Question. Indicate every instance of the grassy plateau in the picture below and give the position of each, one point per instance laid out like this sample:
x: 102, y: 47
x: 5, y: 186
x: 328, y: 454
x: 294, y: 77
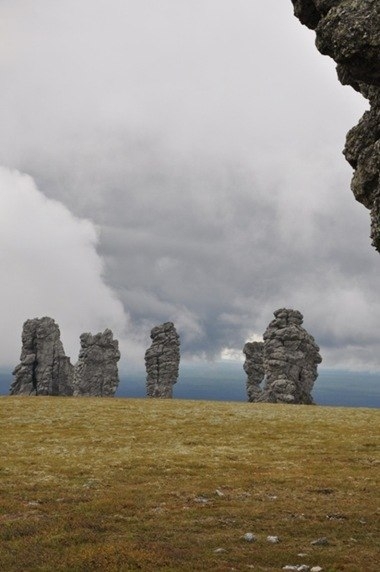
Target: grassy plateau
x: 136, y: 484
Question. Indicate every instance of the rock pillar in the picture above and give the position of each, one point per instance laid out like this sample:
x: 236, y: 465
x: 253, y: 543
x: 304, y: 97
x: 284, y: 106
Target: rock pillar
x: 254, y: 368
x: 291, y: 357
x: 287, y: 360
x: 162, y: 361
x: 96, y: 372
x: 44, y: 369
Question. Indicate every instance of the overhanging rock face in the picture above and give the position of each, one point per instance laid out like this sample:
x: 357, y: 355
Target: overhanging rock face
x: 44, y: 369
x: 162, y: 361
x: 349, y: 32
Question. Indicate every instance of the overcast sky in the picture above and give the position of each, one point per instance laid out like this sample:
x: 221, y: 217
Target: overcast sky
x: 175, y: 160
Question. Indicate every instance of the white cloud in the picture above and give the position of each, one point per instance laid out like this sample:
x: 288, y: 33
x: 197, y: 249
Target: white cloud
x: 203, y: 139
x: 50, y: 267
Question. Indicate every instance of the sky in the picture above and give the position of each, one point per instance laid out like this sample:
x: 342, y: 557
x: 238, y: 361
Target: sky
x: 174, y: 160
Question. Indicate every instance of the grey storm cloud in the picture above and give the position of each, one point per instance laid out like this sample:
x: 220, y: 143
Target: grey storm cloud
x: 203, y: 142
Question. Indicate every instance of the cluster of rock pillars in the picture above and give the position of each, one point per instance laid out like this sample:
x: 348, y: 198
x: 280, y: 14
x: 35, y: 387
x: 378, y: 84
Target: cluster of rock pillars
x: 44, y: 368
x: 281, y: 369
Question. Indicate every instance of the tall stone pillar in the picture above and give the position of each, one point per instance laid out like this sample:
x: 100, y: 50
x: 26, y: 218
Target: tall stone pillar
x: 254, y: 368
x: 287, y: 361
x: 44, y: 369
x: 96, y: 372
x: 162, y: 361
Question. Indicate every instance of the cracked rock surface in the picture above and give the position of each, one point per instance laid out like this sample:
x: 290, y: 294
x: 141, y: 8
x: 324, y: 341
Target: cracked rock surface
x: 96, y: 372
x: 254, y: 368
x: 162, y: 361
x: 349, y: 32
x: 44, y: 369
x: 291, y: 358
x: 287, y: 360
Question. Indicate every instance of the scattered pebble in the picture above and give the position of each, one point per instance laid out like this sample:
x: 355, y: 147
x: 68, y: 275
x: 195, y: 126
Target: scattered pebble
x: 201, y: 500
x: 249, y: 537
x: 320, y: 542
x: 316, y: 569
x: 273, y: 539
x: 219, y: 493
x: 302, y: 554
x: 219, y: 550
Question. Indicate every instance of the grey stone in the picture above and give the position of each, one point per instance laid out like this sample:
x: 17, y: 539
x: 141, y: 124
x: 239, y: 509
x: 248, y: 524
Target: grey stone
x: 320, y: 542
x: 273, y: 539
x: 290, y: 368
x: 287, y: 360
x: 96, y: 372
x: 201, y: 500
x: 254, y: 368
x: 44, y: 369
x: 349, y: 32
x: 162, y: 361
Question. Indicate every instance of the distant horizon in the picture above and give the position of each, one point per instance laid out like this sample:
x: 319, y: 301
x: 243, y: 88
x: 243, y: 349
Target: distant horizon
x: 226, y: 381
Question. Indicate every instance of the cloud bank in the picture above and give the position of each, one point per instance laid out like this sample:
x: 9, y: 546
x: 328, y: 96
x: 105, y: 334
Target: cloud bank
x: 50, y: 268
x: 203, y: 140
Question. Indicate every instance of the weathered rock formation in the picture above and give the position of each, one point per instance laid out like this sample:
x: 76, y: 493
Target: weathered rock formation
x: 96, y: 372
x: 44, y: 369
x: 288, y: 359
x: 162, y: 361
x: 349, y: 32
x: 254, y: 368
x: 291, y: 357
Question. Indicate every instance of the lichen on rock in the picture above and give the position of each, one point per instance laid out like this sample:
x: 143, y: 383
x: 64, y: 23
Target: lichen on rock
x: 349, y: 32
x: 162, y: 361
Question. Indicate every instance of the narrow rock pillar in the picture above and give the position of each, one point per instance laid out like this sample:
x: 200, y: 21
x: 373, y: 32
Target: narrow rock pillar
x: 162, y: 361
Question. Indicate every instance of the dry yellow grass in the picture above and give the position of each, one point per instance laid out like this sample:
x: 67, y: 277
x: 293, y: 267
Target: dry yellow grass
x: 117, y: 484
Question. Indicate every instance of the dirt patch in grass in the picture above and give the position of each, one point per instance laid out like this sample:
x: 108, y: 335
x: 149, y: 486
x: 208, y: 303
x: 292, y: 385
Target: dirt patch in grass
x: 121, y: 484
